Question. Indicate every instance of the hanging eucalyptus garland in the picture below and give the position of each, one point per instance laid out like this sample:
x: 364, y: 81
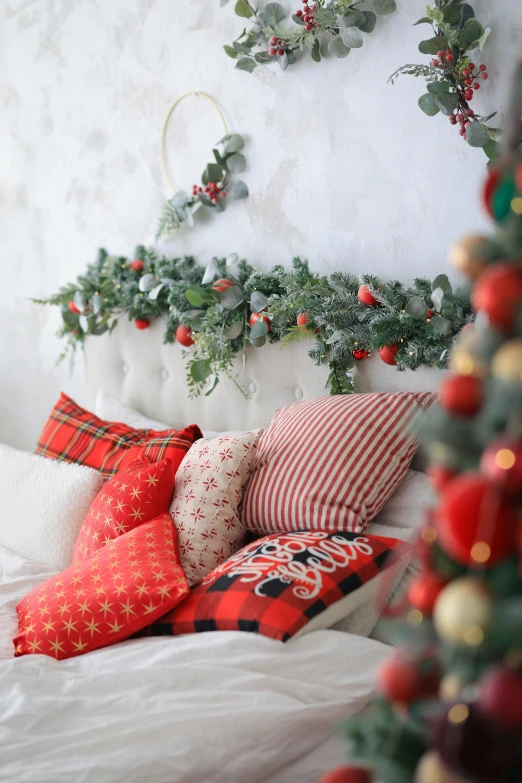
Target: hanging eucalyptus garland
x: 218, y: 311
x: 269, y: 40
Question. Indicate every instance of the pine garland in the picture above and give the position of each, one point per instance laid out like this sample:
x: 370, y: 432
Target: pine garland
x: 229, y: 306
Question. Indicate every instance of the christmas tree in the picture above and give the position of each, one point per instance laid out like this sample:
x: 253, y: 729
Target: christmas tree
x: 449, y: 703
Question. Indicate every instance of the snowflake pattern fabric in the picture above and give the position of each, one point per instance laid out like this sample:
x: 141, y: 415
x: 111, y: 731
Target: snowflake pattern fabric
x: 206, y: 501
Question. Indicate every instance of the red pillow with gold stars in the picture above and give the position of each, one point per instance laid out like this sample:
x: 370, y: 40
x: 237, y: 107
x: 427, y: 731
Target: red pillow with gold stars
x: 137, y: 493
x: 106, y: 598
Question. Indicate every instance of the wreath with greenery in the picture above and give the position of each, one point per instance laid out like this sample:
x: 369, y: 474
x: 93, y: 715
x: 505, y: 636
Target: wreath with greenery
x: 218, y: 311
x: 267, y: 40
x: 453, y: 79
x: 215, y: 186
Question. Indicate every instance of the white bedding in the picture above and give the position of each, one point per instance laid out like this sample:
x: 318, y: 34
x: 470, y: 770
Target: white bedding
x: 203, y: 708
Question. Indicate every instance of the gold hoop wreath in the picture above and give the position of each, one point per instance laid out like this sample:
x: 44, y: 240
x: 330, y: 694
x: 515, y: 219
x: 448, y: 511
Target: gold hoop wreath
x: 216, y: 180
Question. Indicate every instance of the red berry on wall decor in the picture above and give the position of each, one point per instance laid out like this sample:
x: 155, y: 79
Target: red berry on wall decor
x: 498, y: 292
x: 388, y: 354
x: 142, y: 323
x: 137, y: 265
x: 303, y: 319
x: 359, y: 354
x: 184, y: 335
x: 366, y: 297
x: 72, y: 307
x: 259, y: 317
x: 461, y: 395
x: 222, y: 284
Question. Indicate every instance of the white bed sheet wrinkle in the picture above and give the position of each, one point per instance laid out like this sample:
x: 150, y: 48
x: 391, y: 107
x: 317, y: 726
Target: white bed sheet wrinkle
x: 201, y: 708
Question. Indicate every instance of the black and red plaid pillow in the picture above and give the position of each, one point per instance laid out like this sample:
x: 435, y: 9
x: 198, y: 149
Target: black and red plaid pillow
x: 73, y: 434
x: 276, y: 585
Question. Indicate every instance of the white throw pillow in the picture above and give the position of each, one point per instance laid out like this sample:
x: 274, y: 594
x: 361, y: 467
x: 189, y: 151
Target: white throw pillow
x: 206, y: 500
x: 408, y: 505
x: 43, y: 504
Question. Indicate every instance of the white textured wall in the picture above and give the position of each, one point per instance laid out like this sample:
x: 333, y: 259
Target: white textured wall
x: 343, y: 168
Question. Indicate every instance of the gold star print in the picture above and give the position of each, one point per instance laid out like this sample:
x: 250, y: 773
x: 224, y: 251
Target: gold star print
x: 80, y: 592
x: 116, y: 576
x: 43, y: 610
x: 98, y: 515
x: 159, y: 576
x: 108, y: 519
x: 99, y: 591
x: 149, y: 534
x: 64, y: 608
x: 49, y: 626
x: 95, y: 535
x: 102, y: 497
x: 58, y: 583
x: 79, y: 646
x: 134, y: 561
x: 152, y: 481
x: 96, y: 578
x: 150, y: 608
x: 115, y: 627
x: 137, y: 514
x: 107, y: 540
x: 18, y: 648
x: 136, y: 493
x: 56, y: 646
x: 164, y: 592
x: 34, y: 646
x: 127, y: 608
x: 30, y: 628
x: 109, y: 500
x: 141, y: 589
x: 123, y: 487
x: 42, y: 598
x: 76, y: 579
x: 115, y: 483
x: 120, y: 589
x: 138, y: 574
x: 84, y: 607
x: 105, y: 607
x: 61, y: 594
x: 92, y: 626
x: 70, y: 626
x: 120, y: 506
x: 120, y: 527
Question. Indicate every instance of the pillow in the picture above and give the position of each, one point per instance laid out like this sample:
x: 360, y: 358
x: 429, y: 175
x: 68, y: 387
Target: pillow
x: 136, y: 494
x: 331, y: 463
x: 73, y: 434
x: 409, y: 503
x: 206, y: 499
x: 136, y: 578
x: 113, y: 409
x: 43, y: 505
x: 283, y: 586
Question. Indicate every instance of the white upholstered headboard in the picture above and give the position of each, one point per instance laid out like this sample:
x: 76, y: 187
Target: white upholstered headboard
x: 143, y: 372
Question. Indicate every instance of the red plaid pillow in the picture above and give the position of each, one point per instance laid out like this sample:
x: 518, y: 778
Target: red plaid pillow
x: 281, y: 583
x: 73, y: 434
x: 139, y: 492
x: 106, y: 598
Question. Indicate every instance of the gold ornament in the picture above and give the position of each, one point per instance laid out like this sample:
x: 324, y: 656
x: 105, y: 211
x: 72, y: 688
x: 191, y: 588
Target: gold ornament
x: 430, y: 769
x: 465, y: 356
x: 463, y: 612
x: 450, y: 687
x: 507, y: 361
x: 468, y: 255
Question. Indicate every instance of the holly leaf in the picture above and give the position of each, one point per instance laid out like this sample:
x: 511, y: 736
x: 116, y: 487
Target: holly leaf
x: 416, y: 307
x: 383, y: 7
x: 200, y: 370
x: 273, y: 14
x: 258, y: 301
x: 259, y: 329
x: 352, y: 37
x: 441, y: 325
x: 239, y: 190
x: 234, y: 330
x: 236, y: 163
x: 247, y: 64
x: 338, y: 48
x: 232, y: 297
x: 370, y: 20
x: 316, y: 51
x: 428, y: 104
x: 243, y: 9
x: 477, y: 135
x: 197, y: 296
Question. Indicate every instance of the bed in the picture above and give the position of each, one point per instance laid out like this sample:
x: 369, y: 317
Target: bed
x: 200, y: 708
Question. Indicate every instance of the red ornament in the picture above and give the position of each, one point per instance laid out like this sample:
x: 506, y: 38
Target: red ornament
x: 142, y: 323
x: 492, y: 182
x: 476, y: 525
x: 424, y: 591
x: 429, y: 314
x: 360, y: 354
x: 184, y: 335
x: 73, y: 308
x: 440, y: 475
x: 222, y: 284
x: 259, y: 317
x: 502, y: 464
x: 388, y: 354
x: 365, y: 296
x: 302, y: 319
x: 498, y: 292
x: 461, y: 395
x: 500, y: 696
x: 137, y: 265
x: 518, y: 177
x: 347, y: 775
x: 400, y: 679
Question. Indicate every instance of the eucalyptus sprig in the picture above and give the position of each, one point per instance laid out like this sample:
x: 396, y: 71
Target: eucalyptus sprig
x: 268, y: 40
x: 216, y: 185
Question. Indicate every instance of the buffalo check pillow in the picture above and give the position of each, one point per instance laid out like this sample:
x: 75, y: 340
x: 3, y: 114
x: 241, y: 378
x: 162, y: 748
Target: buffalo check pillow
x: 73, y: 434
x: 282, y: 586
x: 331, y: 463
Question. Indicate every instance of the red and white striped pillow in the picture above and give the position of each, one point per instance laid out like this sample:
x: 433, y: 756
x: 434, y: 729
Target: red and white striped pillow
x: 331, y: 463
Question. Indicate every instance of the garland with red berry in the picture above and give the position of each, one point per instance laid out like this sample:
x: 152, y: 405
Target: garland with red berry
x: 217, y: 312
x: 452, y: 77
x: 268, y: 41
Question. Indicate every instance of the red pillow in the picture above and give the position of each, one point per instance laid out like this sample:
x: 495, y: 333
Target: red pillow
x: 74, y: 434
x: 126, y: 585
x: 331, y: 463
x: 279, y: 584
x: 137, y: 493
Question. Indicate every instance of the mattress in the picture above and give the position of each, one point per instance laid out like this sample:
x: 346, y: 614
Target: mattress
x: 201, y: 708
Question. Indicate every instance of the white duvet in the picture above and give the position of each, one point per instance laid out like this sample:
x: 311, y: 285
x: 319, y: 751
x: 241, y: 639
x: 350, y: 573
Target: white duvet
x: 203, y: 708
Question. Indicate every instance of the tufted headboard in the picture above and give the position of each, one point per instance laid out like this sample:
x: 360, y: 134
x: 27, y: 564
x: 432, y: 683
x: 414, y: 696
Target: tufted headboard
x: 143, y: 372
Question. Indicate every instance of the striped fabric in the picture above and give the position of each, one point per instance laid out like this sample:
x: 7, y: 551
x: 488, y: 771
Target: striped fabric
x: 331, y: 463
x: 72, y: 434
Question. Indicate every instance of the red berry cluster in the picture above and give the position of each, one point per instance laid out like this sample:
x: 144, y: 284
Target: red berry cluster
x: 277, y: 46
x: 308, y: 15
x: 443, y: 59
x: 212, y: 191
x: 467, y: 85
